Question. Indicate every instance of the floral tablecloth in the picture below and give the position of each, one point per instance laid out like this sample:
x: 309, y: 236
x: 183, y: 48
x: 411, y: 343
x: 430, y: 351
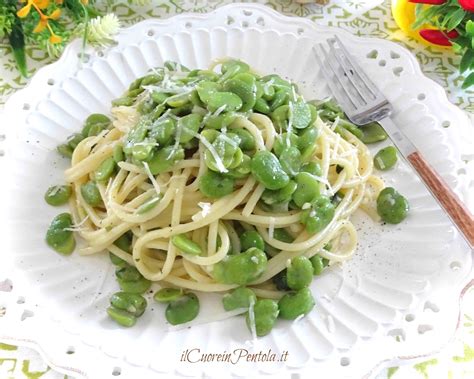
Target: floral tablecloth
x: 360, y: 17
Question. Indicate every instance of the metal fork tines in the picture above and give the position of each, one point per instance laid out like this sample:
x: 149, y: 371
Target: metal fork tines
x: 360, y: 98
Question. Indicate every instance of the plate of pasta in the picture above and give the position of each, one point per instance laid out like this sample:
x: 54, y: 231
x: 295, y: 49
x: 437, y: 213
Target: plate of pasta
x: 195, y: 189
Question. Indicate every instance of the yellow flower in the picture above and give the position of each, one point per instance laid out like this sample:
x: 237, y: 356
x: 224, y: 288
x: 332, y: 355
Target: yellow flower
x: 42, y: 24
x: 54, y: 38
x: 23, y: 12
x: 55, y: 15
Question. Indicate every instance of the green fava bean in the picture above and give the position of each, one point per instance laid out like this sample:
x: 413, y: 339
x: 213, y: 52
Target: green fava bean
x: 290, y: 160
x: 65, y: 150
x: 350, y: 127
x: 319, y: 216
x: 284, y: 141
x: 247, y: 142
x: 239, y: 298
x: 262, y: 106
x: 232, y: 64
x: 58, y: 195
x: 189, y: 126
x: 124, y: 242
x: 159, y: 97
x: 130, y: 302
x: 128, y: 273
x: 148, y: 205
x: 74, y: 140
x: 307, y: 190
x: 123, y: 101
x: 95, y: 119
x: 386, y: 158
x: 105, y: 170
x: 134, y: 286
x: 215, y: 185
x: 119, y: 262
x: 221, y: 121
x: 178, y: 100
x: 373, y: 132
x: 280, y: 98
x: 91, y: 194
x: 186, y: 245
x: 242, y: 170
x: 282, y: 195
x: 268, y: 171
x: 183, y: 309
x: 206, y: 90
x: 391, y: 206
x: 243, y: 85
x: 281, y: 234
x: 299, y: 273
x: 308, y: 138
x: 166, y: 295
x: 280, y: 281
x: 280, y: 117
x: 265, y: 313
x: 241, y: 268
x: 117, y: 154
x: 121, y: 317
x: 300, y: 114
x: 151, y: 79
x: 295, y: 304
x: 318, y: 264
x: 163, y: 131
x: 226, y: 100
x: 251, y: 238
x: 59, y: 237
x: 164, y: 159
x: 313, y: 168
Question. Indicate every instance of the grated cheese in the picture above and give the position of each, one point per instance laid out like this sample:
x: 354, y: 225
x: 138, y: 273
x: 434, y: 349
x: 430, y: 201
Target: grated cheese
x: 204, y: 320
x: 271, y: 227
x: 152, y: 178
x: 335, y: 123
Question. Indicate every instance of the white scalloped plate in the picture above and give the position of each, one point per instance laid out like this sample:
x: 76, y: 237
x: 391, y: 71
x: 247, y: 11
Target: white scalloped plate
x: 403, y: 284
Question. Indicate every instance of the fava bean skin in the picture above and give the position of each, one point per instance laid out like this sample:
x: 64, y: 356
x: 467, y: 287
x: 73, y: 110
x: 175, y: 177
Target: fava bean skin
x: 391, y: 206
x: 239, y: 298
x: 268, y: 171
x: 299, y: 273
x: 386, y: 158
x: 183, y: 309
x: 265, y: 313
x: 250, y: 239
x: 58, y: 195
x: 241, y: 268
x: 295, y: 304
x: 58, y: 238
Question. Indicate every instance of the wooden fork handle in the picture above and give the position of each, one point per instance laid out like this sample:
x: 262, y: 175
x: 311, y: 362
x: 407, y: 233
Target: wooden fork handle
x: 447, y: 198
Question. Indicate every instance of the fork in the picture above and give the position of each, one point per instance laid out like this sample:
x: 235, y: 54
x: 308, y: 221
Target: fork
x: 363, y: 103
